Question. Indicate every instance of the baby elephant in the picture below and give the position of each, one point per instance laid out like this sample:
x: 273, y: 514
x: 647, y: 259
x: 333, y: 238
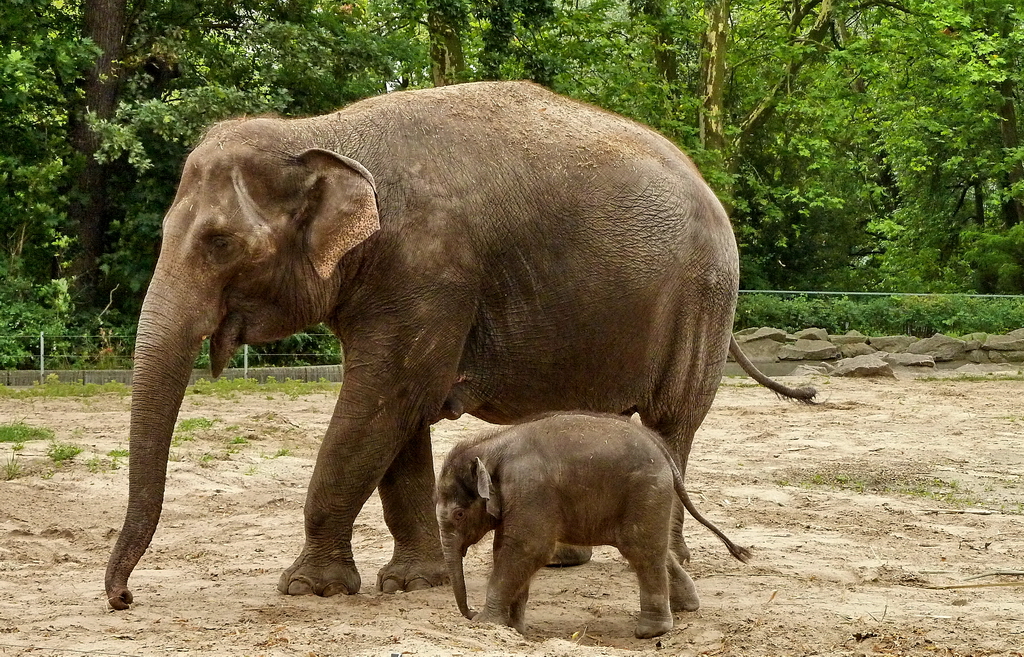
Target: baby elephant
x: 579, y: 479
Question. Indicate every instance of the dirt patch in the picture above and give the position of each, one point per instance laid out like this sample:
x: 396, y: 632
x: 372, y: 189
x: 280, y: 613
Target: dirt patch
x: 856, y: 509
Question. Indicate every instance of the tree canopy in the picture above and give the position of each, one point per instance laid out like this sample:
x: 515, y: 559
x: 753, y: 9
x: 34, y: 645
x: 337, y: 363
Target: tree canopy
x: 867, y: 145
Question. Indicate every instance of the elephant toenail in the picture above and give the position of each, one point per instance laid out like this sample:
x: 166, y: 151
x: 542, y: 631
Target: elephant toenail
x: 336, y: 588
x: 391, y: 586
x: 300, y: 586
x: 417, y: 584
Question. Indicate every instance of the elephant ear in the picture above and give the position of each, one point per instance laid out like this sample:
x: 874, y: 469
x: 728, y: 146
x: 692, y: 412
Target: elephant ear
x: 485, y: 489
x: 341, y: 207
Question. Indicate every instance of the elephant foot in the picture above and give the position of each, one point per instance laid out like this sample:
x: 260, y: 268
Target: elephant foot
x: 683, y: 596
x: 487, y: 616
x: 681, y: 551
x: 305, y: 577
x: 411, y: 575
x: 651, y: 625
x: 570, y: 555
x: 682, y: 591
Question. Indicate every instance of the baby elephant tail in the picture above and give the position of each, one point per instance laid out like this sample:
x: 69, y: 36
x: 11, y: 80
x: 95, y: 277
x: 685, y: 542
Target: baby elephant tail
x: 741, y: 553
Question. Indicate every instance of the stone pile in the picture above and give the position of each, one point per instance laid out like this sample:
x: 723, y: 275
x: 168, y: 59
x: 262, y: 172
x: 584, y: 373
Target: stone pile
x: 855, y: 354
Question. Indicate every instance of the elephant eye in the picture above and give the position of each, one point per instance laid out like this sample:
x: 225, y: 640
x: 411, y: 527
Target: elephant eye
x: 220, y: 242
x: 222, y: 248
x: 458, y: 515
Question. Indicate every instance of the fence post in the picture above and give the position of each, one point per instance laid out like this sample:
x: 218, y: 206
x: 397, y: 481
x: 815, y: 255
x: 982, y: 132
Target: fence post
x: 42, y: 358
x: 245, y: 361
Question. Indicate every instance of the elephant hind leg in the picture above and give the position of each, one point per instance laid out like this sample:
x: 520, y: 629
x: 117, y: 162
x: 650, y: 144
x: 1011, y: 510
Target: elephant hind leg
x: 648, y: 561
x: 682, y: 591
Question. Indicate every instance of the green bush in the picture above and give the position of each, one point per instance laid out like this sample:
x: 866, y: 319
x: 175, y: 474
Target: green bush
x: 882, y: 315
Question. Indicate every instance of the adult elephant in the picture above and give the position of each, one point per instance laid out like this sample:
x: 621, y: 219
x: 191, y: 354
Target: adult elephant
x: 489, y: 248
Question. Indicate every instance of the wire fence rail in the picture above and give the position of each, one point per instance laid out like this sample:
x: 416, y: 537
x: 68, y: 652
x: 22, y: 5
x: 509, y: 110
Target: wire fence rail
x: 69, y: 355
x: 40, y: 354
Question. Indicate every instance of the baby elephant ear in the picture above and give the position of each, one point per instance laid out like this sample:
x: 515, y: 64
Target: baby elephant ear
x: 485, y: 489
x: 340, y: 210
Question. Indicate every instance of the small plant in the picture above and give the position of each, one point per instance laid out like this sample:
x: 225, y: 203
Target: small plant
x: 118, y: 453
x: 239, y: 440
x: 60, y: 452
x: 194, y: 424
x: 284, y: 451
x: 12, y: 468
x: 19, y: 432
x: 187, y: 428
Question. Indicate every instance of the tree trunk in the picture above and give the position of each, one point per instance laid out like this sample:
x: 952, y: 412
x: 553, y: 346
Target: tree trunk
x: 713, y: 70
x: 103, y: 21
x: 655, y: 12
x: 1013, y: 202
x: 447, y: 60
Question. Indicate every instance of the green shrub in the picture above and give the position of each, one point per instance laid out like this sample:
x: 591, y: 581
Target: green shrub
x: 18, y: 432
x: 882, y: 315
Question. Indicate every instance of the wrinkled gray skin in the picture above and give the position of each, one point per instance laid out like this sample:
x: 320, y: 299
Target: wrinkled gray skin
x: 488, y: 248
x: 582, y: 479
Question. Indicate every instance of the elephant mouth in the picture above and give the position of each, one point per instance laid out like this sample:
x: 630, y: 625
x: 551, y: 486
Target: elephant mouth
x: 225, y: 342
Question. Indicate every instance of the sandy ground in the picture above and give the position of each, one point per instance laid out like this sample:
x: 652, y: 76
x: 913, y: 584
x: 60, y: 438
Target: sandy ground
x: 858, y: 510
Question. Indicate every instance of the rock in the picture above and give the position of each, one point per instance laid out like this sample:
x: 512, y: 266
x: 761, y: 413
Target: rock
x: 851, y: 337
x: 854, y: 349
x: 762, y: 350
x: 746, y: 331
x: 809, y: 350
x: 1017, y: 333
x: 863, y: 366
x: 980, y: 337
x: 893, y: 344
x: 1006, y: 356
x: 812, y: 334
x: 971, y: 345
x: 1008, y: 342
x: 760, y: 334
x: 943, y: 347
x: 910, y: 360
x: 978, y: 356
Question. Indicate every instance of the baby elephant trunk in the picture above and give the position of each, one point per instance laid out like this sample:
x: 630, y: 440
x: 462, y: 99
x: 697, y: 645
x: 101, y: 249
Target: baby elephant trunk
x: 453, y: 559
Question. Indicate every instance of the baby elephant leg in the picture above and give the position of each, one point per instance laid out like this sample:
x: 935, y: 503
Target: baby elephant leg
x: 682, y: 592
x: 655, y: 612
x: 517, y: 611
x: 509, y: 586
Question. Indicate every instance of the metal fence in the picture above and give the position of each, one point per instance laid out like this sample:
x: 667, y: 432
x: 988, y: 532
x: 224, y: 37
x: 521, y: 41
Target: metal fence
x: 55, y: 352
x: 45, y: 353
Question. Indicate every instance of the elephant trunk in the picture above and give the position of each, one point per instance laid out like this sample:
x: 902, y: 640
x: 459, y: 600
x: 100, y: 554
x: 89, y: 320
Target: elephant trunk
x: 165, y: 350
x: 453, y: 559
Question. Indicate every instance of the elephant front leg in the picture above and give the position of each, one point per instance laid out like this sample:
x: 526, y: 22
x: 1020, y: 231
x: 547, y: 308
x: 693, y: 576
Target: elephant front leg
x: 325, y: 567
x: 407, y: 494
x: 515, y: 563
x: 352, y: 460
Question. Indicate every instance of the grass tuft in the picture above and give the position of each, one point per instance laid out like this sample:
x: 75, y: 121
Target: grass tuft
x: 60, y: 452
x: 19, y: 432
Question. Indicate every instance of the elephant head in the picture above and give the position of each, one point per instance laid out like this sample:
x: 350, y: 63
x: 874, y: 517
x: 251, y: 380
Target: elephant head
x: 468, y: 506
x: 251, y: 251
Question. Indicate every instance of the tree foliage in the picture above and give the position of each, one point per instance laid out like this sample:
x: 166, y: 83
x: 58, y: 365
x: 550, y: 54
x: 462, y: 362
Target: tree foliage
x: 858, y: 146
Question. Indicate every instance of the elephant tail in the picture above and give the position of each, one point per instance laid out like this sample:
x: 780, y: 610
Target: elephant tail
x: 741, y: 553
x: 805, y: 395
